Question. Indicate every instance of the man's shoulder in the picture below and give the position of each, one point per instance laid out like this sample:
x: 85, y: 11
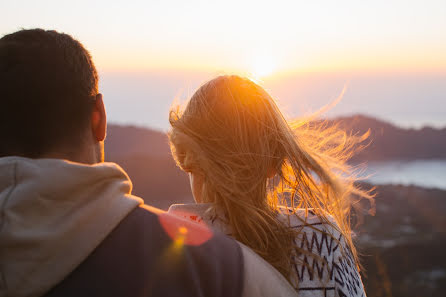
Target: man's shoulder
x: 154, y: 253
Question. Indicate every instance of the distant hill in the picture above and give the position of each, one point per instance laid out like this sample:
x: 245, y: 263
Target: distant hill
x: 389, y: 142
x: 145, y: 156
x: 402, y: 246
x: 129, y: 140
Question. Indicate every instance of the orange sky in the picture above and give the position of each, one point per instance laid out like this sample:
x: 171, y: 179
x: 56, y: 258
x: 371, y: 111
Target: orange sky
x: 247, y: 37
x: 393, y: 52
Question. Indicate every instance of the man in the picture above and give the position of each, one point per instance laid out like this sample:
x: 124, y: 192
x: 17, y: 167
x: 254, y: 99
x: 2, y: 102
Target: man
x: 69, y: 225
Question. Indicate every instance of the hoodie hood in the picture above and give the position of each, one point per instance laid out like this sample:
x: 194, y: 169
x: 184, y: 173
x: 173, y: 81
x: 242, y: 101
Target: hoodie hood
x: 53, y: 214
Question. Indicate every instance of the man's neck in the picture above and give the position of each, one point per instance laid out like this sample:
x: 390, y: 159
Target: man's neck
x: 91, y: 155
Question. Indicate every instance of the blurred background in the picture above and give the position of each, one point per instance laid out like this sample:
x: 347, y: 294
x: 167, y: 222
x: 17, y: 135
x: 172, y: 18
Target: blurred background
x: 389, y: 55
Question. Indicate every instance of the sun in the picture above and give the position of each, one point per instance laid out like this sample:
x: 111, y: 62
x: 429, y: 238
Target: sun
x: 262, y: 66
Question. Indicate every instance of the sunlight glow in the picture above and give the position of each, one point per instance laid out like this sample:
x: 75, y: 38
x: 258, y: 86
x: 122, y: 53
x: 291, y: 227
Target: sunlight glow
x: 308, y: 35
x: 263, y: 65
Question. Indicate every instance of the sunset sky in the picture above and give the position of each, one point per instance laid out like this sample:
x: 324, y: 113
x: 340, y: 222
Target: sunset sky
x: 151, y: 51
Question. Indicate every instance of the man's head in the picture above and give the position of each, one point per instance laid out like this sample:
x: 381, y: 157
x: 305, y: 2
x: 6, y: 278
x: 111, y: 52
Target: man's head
x: 50, y: 105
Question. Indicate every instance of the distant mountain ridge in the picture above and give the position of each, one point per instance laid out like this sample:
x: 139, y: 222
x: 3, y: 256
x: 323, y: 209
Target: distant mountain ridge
x: 130, y: 140
x: 387, y: 142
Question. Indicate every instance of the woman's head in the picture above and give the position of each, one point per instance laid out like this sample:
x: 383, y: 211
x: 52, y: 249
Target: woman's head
x: 232, y: 138
x: 228, y: 133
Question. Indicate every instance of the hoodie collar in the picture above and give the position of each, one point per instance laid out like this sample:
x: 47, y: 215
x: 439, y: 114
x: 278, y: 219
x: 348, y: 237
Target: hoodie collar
x: 53, y: 214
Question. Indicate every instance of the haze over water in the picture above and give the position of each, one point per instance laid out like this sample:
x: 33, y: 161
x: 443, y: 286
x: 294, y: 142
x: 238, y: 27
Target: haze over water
x: 424, y: 173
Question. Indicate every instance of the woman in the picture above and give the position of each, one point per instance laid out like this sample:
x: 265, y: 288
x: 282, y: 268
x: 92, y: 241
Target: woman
x: 283, y: 189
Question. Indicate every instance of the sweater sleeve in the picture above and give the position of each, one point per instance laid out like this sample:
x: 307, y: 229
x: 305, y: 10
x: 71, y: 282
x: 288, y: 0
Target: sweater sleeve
x: 325, y: 265
x: 347, y: 279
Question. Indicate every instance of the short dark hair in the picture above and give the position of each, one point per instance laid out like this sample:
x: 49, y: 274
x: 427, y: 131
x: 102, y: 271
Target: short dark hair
x: 48, y: 84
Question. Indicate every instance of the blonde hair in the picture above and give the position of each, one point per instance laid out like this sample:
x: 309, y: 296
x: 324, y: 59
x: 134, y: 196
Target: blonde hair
x: 233, y: 135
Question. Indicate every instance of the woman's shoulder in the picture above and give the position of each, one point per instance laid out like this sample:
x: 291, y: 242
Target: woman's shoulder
x: 201, y: 213
x: 193, y: 211
x: 308, y: 219
x: 315, y: 234
x: 325, y: 263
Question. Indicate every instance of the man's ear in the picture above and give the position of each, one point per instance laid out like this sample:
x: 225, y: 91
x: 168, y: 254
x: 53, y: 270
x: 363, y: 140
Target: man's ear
x: 99, y: 119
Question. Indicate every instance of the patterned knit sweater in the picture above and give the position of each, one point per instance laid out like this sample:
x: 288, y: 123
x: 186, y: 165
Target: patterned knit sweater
x: 328, y: 269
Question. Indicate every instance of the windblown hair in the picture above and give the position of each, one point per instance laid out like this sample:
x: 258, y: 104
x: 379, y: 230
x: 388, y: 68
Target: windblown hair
x: 233, y: 135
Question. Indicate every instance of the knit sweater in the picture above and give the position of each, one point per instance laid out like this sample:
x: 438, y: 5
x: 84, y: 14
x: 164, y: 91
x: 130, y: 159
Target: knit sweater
x: 328, y: 269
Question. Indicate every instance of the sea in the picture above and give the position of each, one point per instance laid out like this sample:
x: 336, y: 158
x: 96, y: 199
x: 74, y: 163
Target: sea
x: 423, y: 173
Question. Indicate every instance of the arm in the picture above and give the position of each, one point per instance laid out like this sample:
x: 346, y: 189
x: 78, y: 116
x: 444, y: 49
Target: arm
x: 347, y: 278
x: 261, y: 279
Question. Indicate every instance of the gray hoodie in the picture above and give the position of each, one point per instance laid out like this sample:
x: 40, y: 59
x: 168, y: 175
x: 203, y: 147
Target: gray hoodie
x: 43, y: 210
